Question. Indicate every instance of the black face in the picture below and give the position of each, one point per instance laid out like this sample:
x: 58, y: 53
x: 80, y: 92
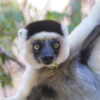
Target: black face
x: 46, y: 51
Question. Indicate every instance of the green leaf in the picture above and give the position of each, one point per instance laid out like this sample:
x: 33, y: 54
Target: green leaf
x: 3, y: 58
x: 56, y: 65
x: 4, y: 78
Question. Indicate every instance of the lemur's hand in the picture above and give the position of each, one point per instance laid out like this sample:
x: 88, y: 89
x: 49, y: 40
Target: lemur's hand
x: 12, y: 98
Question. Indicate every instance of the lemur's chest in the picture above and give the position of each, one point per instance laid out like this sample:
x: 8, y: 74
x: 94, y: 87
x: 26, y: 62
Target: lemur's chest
x: 64, y: 85
x: 51, y: 76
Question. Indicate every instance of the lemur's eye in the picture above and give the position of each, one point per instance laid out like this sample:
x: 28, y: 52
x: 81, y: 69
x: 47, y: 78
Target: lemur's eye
x: 36, y: 46
x: 56, y: 45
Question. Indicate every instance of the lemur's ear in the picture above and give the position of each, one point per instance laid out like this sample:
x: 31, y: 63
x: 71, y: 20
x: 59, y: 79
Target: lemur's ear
x: 22, y: 33
x: 64, y: 29
x: 22, y: 36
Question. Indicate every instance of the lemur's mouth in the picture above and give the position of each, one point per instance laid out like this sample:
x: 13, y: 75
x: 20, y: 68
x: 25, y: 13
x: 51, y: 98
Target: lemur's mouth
x: 47, y: 62
x: 54, y: 63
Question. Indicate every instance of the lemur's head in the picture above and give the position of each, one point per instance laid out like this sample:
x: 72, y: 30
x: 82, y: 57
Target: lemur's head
x: 44, y: 42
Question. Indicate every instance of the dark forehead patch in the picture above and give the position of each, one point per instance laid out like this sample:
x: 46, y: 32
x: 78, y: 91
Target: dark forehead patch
x: 44, y: 25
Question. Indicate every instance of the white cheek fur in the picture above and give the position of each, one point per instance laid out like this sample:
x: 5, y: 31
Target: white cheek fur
x: 64, y: 52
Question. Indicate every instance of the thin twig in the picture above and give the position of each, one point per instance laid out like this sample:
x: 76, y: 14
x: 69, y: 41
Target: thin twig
x: 7, y: 54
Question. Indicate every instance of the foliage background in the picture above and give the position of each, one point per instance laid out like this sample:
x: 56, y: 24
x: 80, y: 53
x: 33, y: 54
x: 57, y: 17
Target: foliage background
x: 14, y: 15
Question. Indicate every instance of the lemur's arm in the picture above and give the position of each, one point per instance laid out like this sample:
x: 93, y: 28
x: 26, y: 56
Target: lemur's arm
x: 80, y: 33
x: 26, y: 86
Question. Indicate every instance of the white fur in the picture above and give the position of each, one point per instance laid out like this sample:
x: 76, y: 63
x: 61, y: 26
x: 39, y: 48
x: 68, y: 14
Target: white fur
x: 28, y: 82
x: 11, y: 98
x: 94, y: 60
x: 64, y: 28
x: 44, y: 35
x: 80, y: 33
x: 22, y: 33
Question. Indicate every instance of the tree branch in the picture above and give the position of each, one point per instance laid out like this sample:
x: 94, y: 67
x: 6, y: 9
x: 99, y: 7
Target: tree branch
x: 7, y: 54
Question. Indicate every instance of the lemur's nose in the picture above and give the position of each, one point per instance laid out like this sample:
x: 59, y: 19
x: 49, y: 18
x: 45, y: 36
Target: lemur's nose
x: 47, y: 59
